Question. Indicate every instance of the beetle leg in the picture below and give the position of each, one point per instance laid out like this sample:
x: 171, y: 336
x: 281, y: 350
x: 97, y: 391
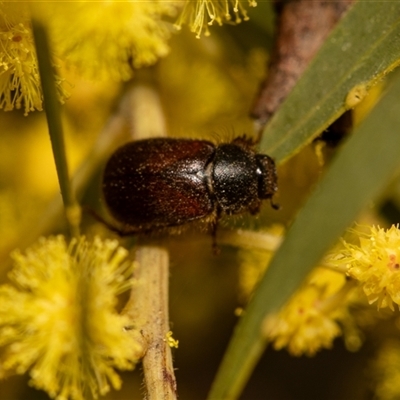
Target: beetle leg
x: 275, y: 206
x: 214, y: 227
x: 255, y: 208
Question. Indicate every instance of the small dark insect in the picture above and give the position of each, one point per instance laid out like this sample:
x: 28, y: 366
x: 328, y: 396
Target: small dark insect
x: 153, y: 184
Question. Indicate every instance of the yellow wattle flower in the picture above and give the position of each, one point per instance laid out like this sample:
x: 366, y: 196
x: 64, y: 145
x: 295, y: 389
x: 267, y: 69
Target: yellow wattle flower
x: 108, y: 39
x: 19, y: 77
x: 59, y: 320
x: 20, y: 85
x: 308, y: 322
x: 375, y: 263
x: 313, y: 317
x: 201, y: 14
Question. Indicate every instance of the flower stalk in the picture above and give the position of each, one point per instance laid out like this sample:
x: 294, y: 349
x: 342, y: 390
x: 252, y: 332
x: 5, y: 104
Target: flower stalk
x: 148, y: 307
x: 52, y: 109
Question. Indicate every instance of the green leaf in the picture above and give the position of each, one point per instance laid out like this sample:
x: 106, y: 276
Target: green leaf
x: 363, y: 47
x: 362, y: 168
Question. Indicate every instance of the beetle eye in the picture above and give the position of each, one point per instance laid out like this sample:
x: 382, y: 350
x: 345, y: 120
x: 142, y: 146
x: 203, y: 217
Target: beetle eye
x: 267, y: 177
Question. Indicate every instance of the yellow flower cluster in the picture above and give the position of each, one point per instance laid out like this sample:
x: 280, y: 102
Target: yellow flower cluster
x: 107, y: 39
x: 309, y: 321
x: 19, y: 77
x: 20, y: 85
x: 103, y: 40
x: 375, y: 263
x: 315, y: 315
x: 319, y: 311
x: 202, y: 13
x: 59, y: 320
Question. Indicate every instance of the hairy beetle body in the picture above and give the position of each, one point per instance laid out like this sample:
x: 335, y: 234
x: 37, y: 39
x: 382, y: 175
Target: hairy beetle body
x: 153, y: 184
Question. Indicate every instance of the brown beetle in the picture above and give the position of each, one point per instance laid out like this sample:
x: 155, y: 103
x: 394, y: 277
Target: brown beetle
x: 159, y: 183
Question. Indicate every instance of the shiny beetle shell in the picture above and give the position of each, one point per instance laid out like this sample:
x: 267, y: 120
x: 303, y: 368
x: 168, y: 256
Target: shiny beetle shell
x: 153, y: 184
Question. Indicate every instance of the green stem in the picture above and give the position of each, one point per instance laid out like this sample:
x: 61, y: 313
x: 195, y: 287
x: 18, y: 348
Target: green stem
x: 52, y: 109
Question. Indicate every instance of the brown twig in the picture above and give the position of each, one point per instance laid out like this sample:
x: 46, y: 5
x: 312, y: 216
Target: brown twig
x: 302, y: 27
x: 148, y: 303
x: 148, y: 310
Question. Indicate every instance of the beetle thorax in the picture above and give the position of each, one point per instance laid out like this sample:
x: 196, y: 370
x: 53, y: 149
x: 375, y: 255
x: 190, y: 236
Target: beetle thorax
x: 234, y: 178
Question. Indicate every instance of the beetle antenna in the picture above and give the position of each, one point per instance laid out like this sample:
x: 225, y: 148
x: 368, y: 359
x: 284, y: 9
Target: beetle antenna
x: 275, y: 206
